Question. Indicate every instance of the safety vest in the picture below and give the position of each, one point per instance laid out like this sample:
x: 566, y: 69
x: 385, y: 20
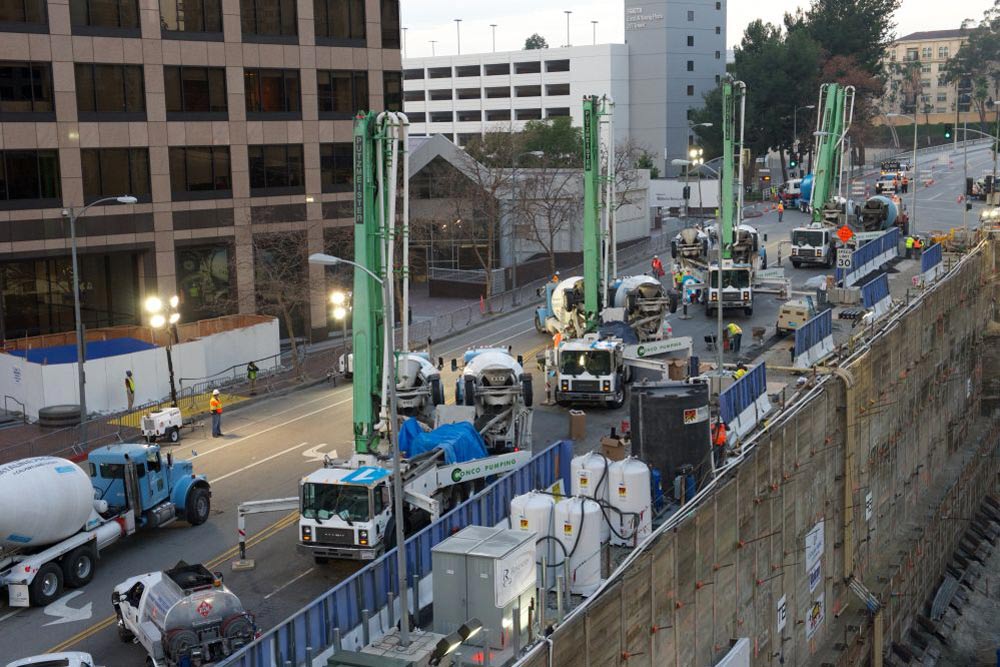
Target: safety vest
x: 734, y: 329
x: 740, y: 372
x: 781, y: 208
x: 909, y: 242
x: 252, y: 372
x: 215, y: 405
x: 719, y: 435
x: 130, y: 385
x: 918, y: 244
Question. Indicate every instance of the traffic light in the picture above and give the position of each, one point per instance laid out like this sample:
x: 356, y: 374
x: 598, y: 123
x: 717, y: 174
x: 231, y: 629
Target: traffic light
x: 687, y: 192
x: 793, y: 160
x: 948, y: 129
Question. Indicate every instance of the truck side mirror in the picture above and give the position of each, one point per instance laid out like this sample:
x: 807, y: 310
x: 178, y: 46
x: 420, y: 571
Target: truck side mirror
x: 218, y: 575
x: 520, y: 360
x: 454, y: 365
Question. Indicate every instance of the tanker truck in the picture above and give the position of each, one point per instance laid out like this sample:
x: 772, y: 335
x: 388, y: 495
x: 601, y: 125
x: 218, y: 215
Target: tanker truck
x: 691, y: 244
x: 56, y: 517
x: 495, y: 385
x: 182, y: 617
x: 563, y: 309
x: 643, y: 304
x: 881, y: 213
x: 418, y: 388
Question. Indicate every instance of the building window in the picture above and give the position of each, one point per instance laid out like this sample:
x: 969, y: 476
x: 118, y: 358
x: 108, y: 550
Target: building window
x: 892, y: 55
x: 439, y: 73
x: 336, y: 166
x: 414, y: 96
x: 468, y: 94
x: 690, y: 65
x: 530, y: 67
x: 470, y: 116
x: 341, y: 93
x: 690, y: 91
x: 718, y: 55
x: 942, y: 80
x: 556, y: 89
x: 527, y: 114
x: 926, y: 52
x: 23, y: 16
x: 442, y: 117
x: 108, y: 172
x: 195, y: 91
x: 439, y: 94
x: 269, y: 20
x: 718, y: 5
x: 413, y: 74
x: 273, y: 91
x: 557, y: 65
x: 942, y: 97
x: 527, y: 91
x: 417, y: 116
x: 942, y: 52
x: 497, y: 115
x: 497, y: 92
x: 390, y: 24
x: 690, y: 15
x: 203, y: 281
x: 199, y: 16
x: 110, y: 92
x: 718, y: 78
x: 104, y: 17
x: 276, y: 169
x: 466, y: 70
x: 200, y: 172
x: 911, y: 54
x: 690, y: 40
x: 339, y: 21
x: 926, y: 69
x: 392, y: 90
x: 496, y: 69
x: 557, y: 112
x: 718, y: 30
x: 29, y: 179
x: 26, y: 91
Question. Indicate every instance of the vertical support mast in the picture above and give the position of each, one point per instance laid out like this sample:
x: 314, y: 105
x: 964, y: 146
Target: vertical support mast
x: 837, y: 110
x: 591, y: 210
x: 726, y: 206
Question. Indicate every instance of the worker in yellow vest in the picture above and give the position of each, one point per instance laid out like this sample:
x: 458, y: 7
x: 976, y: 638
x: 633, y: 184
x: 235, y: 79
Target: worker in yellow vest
x: 741, y: 370
x: 129, y: 388
x: 909, y: 247
x: 735, y: 334
x: 215, y: 407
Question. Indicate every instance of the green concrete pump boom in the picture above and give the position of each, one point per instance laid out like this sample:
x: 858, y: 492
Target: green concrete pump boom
x: 368, y: 307
x: 733, y: 100
x: 591, y: 209
x: 837, y: 110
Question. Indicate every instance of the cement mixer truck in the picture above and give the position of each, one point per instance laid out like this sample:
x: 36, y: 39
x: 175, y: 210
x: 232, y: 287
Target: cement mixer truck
x: 881, y: 213
x: 182, y: 617
x: 692, y: 244
x: 643, y: 304
x: 498, y: 391
x: 54, y: 541
x: 563, y: 311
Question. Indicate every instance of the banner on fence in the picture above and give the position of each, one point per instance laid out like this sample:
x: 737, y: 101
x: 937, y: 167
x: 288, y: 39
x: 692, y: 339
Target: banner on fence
x: 814, y: 340
x: 744, y: 403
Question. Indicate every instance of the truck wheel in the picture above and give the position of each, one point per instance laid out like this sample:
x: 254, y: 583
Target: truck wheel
x: 539, y: 325
x: 236, y: 627
x: 437, y: 392
x: 78, y: 567
x: 527, y: 389
x: 47, y: 585
x: 320, y: 560
x: 748, y: 311
x: 619, y: 399
x: 124, y: 634
x: 198, y: 506
x: 179, y: 641
x: 174, y: 435
x: 796, y: 263
x: 469, y: 391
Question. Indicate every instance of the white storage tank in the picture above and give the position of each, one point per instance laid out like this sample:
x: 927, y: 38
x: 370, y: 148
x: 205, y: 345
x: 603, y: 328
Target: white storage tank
x: 631, y: 495
x: 588, y: 474
x: 578, y: 523
x: 532, y: 512
x: 67, y: 494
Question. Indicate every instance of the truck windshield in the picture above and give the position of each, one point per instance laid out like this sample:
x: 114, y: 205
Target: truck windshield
x: 730, y: 278
x: 812, y: 238
x: 324, y: 501
x: 595, y: 362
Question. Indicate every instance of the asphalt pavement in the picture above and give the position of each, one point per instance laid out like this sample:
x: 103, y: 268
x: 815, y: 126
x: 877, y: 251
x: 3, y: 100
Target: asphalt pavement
x: 269, y: 446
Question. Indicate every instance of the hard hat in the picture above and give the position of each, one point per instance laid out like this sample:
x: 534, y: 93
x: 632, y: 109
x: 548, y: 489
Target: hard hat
x: 128, y: 373
x: 656, y: 256
x: 215, y: 392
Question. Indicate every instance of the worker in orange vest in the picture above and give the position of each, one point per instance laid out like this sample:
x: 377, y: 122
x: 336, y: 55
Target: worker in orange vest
x: 781, y: 211
x: 215, y: 407
x: 719, y: 441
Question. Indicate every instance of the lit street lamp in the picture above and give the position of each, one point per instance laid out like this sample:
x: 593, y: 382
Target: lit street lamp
x: 161, y: 318
x: 914, y: 180
x: 340, y: 306
x: 72, y: 215
x: 397, y: 463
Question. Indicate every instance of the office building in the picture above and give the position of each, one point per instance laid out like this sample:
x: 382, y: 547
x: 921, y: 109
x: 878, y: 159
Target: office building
x: 916, y: 68
x: 464, y: 96
x: 230, y: 120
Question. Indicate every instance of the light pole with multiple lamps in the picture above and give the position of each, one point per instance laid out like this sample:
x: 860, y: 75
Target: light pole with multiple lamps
x: 913, y: 206
x: 166, y: 318
x: 73, y: 216
x: 397, y: 461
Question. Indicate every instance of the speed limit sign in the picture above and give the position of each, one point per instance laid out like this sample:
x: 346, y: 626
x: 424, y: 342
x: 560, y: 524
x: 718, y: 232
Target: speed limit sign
x: 844, y: 259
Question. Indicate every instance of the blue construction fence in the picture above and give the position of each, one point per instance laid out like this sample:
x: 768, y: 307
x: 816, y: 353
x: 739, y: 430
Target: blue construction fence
x: 369, y: 588
x: 868, y: 257
x: 813, y: 332
x: 931, y: 258
x: 743, y: 393
x: 875, y: 291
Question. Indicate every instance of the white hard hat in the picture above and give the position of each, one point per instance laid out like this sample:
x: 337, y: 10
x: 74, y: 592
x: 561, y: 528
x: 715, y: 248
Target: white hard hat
x: 215, y: 392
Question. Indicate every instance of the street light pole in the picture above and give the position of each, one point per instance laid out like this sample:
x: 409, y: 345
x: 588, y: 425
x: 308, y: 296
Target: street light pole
x: 80, y: 347
x: 795, y: 125
x: 458, y: 33
x: 494, y: 27
x: 567, y: 12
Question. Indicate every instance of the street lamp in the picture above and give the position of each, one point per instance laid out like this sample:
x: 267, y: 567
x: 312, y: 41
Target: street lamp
x: 161, y: 318
x: 339, y: 301
x: 913, y: 206
x: 795, y: 124
x: 458, y: 33
x: 397, y: 462
x: 81, y: 376
x: 567, y: 12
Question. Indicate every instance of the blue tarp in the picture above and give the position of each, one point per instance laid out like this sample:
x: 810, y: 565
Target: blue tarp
x: 460, y: 442
x: 98, y: 349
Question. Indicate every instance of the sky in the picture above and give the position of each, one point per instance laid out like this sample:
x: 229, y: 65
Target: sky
x: 428, y: 20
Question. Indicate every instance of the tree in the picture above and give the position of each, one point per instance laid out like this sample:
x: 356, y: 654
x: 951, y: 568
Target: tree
x: 645, y: 161
x: 977, y: 62
x: 556, y: 138
x: 862, y: 29
x: 536, y: 41
x: 548, y: 200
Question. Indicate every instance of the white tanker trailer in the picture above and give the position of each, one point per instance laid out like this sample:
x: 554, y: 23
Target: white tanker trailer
x: 55, y: 518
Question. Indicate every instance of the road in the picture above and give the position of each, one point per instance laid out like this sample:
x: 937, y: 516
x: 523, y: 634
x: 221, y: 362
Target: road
x: 270, y: 446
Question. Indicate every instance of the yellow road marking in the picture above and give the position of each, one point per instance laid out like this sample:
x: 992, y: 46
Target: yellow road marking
x: 105, y: 623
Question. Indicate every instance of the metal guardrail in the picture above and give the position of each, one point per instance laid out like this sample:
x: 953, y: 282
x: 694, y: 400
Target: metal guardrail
x: 342, y: 609
x: 876, y: 155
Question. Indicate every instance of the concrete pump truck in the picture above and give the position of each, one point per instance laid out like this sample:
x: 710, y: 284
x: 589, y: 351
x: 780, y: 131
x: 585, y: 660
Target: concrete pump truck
x: 816, y: 243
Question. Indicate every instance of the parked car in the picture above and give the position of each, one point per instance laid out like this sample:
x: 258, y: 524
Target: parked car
x: 71, y: 659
